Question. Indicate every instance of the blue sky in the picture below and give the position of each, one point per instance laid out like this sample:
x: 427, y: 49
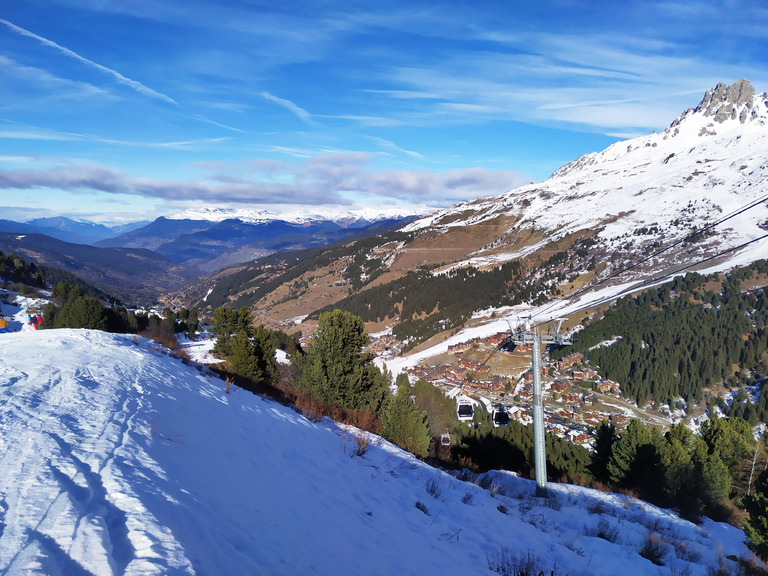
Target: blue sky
x: 119, y: 111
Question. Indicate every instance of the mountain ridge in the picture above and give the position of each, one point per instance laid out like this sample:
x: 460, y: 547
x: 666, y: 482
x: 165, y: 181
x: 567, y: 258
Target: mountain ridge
x: 594, y: 217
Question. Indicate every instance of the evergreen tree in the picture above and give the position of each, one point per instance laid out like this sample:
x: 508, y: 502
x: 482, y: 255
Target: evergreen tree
x: 622, y: 467
x: 716, y: 479
x: 81, y: 312
x: 756, y: 505
x: 605, y: 438
x: 404, y: 424
x: 244, y: 358
x: 227, y: 323
x: 336, y: 371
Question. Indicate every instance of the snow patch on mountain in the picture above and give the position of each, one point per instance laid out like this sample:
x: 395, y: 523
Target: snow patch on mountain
x: 711, y: 160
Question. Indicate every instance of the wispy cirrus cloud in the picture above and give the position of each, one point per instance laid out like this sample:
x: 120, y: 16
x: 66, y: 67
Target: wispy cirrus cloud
x: 133, y: 84
x: 392, y: 146
x: 43, y: 80
x: 299, y: 112
x: 18, y: 131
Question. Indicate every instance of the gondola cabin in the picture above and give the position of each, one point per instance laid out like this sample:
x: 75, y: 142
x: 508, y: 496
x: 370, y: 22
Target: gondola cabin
x: 465, y: 411
x: 500, y: 417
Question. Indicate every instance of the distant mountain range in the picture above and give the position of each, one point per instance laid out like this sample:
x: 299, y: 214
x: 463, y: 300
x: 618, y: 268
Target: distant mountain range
x: 212, y: 239
x: 134, y: 275
x: 139, y: 262
x: 67, y: 229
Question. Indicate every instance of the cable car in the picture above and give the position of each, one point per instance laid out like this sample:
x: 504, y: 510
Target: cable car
x: 465, y: 411
x: 500, y: 416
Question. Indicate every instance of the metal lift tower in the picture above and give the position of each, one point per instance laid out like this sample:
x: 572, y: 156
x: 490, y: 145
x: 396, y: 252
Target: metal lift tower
x: 532, y: 335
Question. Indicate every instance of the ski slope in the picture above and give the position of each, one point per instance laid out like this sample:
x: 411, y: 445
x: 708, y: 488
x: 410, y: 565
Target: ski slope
x: 118, y: 459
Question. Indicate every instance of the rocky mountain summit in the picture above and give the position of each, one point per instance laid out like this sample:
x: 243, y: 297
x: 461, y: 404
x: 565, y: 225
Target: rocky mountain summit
x: 639, y: 193
x: 734, y: 101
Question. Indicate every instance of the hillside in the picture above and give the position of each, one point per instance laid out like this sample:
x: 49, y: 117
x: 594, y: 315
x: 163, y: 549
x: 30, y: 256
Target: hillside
x: 133, y: 275
x: 642, y: 207
x: 116, y: 458
x: 211, y: 239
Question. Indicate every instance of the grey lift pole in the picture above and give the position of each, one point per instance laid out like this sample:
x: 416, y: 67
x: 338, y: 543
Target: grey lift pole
x: 532, y: 336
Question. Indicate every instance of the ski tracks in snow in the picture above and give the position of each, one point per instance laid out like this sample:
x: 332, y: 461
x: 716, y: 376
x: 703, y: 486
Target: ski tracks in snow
x: 90, y: 427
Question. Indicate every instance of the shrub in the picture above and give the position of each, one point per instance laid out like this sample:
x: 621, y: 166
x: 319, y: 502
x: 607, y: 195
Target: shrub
x: 654, y: 549
x: 605, y: 531
x: 423, y: 507
x: 509, y: 562
x: 685, y: 552
x: 434, y: 489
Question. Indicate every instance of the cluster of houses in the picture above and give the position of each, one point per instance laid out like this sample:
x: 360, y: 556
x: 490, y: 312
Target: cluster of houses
x: 573, y: 396
x: 461, y: 375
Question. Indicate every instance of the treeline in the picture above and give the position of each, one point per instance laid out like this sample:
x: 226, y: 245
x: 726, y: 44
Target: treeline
x: 260, y: 278
x: 482, y: 447
x: 427, y: 304
x: 697, y: 474
x: 70, y: 307
x: 13, y: 268
x: 672, y: 342
x: 29, y: 276
x: 334, y: 377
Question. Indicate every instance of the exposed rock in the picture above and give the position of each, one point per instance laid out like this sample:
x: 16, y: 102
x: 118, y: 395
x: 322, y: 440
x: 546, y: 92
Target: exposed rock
x: 724, y: 101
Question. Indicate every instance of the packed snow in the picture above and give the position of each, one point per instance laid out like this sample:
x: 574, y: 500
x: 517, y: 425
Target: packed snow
x: 117, y: 458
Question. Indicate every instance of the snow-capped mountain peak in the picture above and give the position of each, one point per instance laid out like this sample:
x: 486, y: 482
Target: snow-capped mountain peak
x: 712, y: 160
x: 344, y: 216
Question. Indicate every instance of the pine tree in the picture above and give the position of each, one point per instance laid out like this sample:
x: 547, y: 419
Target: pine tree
x: 404, y: 424
x: 716, y: 479
x: 605, y: 438
x: 621, y: 464
x: 336, y: 371
x: 244, y: 357
x: 757, y: 506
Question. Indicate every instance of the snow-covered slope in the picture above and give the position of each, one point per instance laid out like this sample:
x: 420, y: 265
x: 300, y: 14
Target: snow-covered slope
x: 116, y: 458
x: 712, y: 160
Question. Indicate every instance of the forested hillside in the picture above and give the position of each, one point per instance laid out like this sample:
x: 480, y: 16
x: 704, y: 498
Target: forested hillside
x: 674, y: 341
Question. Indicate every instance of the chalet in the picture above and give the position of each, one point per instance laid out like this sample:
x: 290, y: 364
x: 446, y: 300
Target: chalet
x: 585, y: 374
x: 578, y: 437
x: 473, y: 365
x: 382, y: 345
x: 460, y: 347
x: 489, y: 385
x: 559, y: 386
x: 305, y: 341
x: 568, y: 361
x: 619, y: 420
x: 528, y: 376
x: 496, y: 339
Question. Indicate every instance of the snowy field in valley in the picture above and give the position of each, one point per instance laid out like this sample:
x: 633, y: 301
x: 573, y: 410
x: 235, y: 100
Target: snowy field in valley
x: 116, y: 458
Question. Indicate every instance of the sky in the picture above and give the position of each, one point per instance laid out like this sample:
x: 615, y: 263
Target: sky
x: 118, y: 111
